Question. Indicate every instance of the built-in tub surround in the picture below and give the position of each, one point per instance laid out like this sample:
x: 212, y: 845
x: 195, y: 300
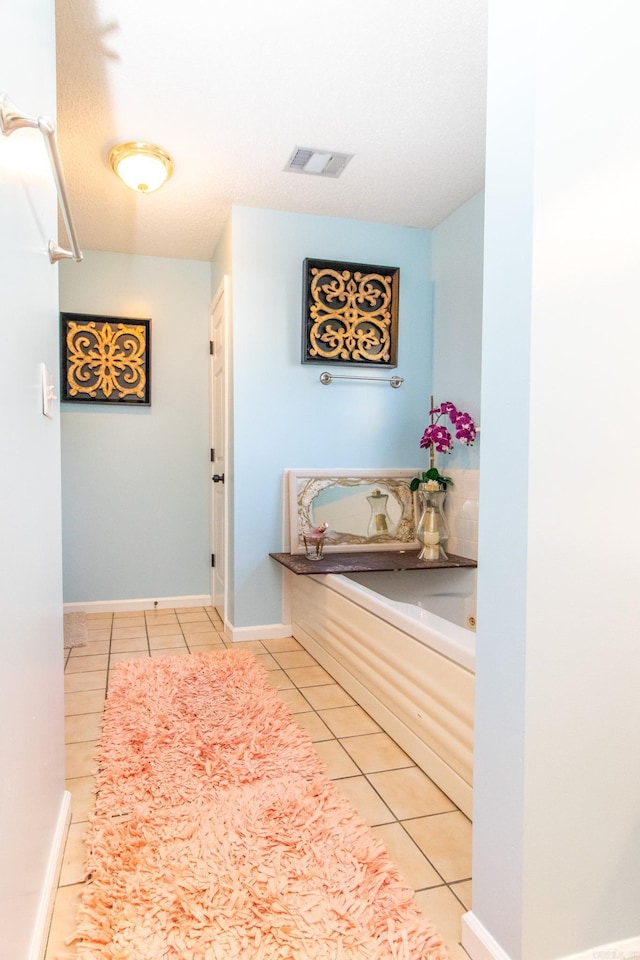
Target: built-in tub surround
x: 461, y: 511
x: 410, y: 668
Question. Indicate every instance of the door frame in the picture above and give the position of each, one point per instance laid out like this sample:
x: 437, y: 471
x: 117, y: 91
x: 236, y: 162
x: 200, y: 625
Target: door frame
x: 222, y: 293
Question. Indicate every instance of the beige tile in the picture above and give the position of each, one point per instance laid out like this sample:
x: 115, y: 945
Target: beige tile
x: 82, y: 726
x: 91, y: 649
x: 127, y: 614
x: 202, y: 639
x: 87, y: 664
x: 83, y: 701
x: 163, y: 629
x: 377, y: 751
x: 98, y: 617
x: 279, y: 680
x: 337, y: 761
x: 75, y: 682
x: 130, y: 621
x: 446, y: 840
x: 80, y: 759
x: 363, y: 798
x: 73, y: 868
x: 309, y: 676
x: 131, y: 655
x: 163, y: 642
x: 314, y: 726
x: 99, y: 633
x: 206, y: 647
x: 445, y: 912
x: 179, y: 610
x: 251, y: 646
x: 267, y: 661
x: 199, y: 626
x: 295, y: 658
x: 325, y: 696
x: 192, y: 616
x: 349, y: 721
x: 83, y: 798
x: 171, y: 652
x: 63, y: 921
x: 462, y: 891
x: 126, y: 646
x: 294, y: 700
x: 129, y: 633
x: 407, y: 856
x: 282, y: 645
x: 161, y: 620
x: 410, y: 792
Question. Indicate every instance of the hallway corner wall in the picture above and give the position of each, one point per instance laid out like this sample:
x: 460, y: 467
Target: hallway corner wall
x: 135, y: 480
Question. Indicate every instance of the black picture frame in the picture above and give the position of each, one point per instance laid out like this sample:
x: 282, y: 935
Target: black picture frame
x: 350, y: 313
x: 105, y: 359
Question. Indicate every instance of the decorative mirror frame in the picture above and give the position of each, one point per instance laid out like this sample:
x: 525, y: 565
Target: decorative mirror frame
x: 304, y: 485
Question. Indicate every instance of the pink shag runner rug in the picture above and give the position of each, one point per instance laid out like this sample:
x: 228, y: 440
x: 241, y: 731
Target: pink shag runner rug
x: 217, y: 836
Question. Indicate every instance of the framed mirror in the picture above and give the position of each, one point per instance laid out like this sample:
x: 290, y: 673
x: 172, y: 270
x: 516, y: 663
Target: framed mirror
x: 363, y: 509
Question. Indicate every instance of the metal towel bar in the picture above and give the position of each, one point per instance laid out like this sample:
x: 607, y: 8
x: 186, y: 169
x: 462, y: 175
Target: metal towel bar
x: 12, y: 119
x: 326, y: 379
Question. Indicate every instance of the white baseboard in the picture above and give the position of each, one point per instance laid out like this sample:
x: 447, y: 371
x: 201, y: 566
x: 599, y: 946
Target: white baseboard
x: 269, y: 631
x: 152, y: 603
x: 622, y: 950
x: 480, y: 945
x: 478, y: 942
x: 47, y: 894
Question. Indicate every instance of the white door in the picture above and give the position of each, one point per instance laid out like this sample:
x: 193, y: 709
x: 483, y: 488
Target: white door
x: 219, y: 437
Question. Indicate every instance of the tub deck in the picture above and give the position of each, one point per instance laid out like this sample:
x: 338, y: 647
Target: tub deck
x: 366, y: 561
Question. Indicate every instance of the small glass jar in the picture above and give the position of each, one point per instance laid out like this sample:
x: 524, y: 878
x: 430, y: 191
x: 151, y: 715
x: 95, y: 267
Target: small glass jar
x: 313, y: 546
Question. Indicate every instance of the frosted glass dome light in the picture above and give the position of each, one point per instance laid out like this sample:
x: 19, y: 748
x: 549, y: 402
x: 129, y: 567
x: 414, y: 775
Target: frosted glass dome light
x: 142, y: 166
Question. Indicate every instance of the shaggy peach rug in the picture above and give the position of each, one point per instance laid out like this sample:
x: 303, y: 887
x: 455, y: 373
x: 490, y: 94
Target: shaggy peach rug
x: 216, y: 835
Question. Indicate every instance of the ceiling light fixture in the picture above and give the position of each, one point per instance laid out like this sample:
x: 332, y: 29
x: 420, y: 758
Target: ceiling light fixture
x: 142, y: 166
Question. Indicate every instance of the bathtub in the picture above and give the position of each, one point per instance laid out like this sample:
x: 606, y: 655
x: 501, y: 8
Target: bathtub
x: 400, y: 644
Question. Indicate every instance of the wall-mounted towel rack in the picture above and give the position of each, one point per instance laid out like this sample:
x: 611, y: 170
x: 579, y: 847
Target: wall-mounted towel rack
x: 326, y: 379
x: 12, y: 119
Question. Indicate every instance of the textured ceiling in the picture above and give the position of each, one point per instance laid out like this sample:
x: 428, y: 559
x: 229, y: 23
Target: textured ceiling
x: 229, y: 89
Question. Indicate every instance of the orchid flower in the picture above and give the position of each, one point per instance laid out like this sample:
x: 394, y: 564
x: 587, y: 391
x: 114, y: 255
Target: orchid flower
x: 437, y: 438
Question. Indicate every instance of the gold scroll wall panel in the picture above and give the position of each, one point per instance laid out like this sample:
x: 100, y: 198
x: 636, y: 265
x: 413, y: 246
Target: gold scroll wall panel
x: 350, y: 313
x: 105, y: 359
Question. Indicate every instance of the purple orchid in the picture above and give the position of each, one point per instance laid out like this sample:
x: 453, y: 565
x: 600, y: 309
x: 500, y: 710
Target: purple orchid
x: 437, y: 438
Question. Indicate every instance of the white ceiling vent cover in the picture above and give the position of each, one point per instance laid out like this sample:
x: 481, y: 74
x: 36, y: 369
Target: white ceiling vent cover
x: 319, y: 163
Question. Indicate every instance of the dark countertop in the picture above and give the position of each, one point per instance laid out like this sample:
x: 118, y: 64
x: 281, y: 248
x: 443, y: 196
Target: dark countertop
x: 364, y: 561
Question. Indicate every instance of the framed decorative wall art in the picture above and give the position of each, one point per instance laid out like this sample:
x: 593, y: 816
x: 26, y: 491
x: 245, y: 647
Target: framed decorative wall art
x: 350, y: 313
x: 105, y: 359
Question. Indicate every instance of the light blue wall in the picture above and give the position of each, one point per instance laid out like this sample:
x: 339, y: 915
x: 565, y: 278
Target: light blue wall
x: 456, y: 267
x: 284, y: 417
x: 32, y: 811
x: 135, y: 482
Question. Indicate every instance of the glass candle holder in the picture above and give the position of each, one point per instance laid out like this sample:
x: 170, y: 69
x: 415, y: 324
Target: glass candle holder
x: 313, y: 547
x: 432, y: 531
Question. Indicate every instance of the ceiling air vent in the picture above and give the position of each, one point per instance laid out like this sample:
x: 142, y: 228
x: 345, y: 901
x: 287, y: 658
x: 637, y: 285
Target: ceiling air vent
x: 319, y: 163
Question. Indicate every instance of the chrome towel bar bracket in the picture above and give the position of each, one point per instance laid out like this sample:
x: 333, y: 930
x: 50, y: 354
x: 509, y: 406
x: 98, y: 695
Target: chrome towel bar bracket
x: 326, y: 379
x: 12, y: 119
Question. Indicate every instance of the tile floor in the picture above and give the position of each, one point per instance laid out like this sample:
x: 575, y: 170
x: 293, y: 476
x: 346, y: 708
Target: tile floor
x: 428, y: 838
